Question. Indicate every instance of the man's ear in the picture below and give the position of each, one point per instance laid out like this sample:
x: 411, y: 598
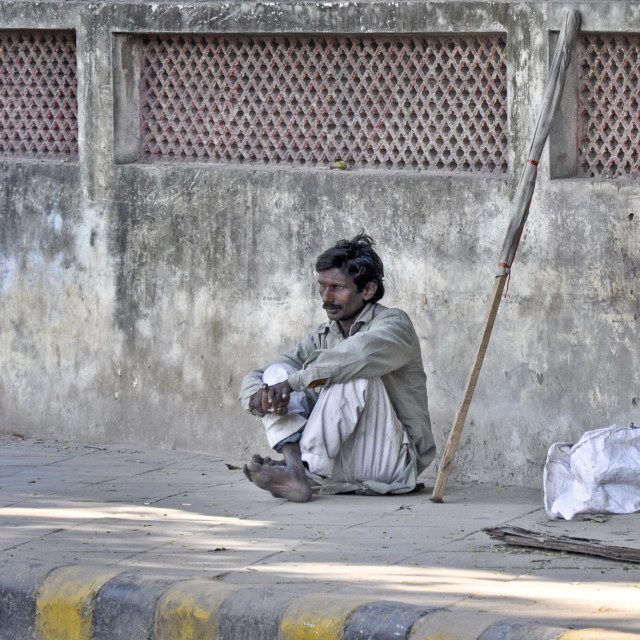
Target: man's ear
x: 369, y: 289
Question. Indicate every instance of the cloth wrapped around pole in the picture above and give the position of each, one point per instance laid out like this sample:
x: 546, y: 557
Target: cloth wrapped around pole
x: 598, y: 474
x: 548, y: 108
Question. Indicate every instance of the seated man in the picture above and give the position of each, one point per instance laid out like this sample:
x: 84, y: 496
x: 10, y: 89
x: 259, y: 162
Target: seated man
x: 347, y: 407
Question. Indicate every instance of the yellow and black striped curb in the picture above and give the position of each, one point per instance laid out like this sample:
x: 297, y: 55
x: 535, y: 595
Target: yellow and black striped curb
x: 89, y: 603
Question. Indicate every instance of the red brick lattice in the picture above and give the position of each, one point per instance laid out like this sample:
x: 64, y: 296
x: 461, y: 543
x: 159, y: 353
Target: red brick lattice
x: 608, y: 106
x: 416, y: 103
x: 38, y: 95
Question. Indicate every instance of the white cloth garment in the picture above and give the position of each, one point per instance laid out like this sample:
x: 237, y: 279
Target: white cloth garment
x: 278, y: 426
x: 352, y: 435
x: 598, y: 474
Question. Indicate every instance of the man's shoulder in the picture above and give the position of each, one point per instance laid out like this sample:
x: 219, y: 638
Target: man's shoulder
x: 381, y: 318
x: 390, y: 313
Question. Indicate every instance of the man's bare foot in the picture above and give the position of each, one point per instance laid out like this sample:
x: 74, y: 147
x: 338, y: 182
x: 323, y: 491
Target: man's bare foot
x: 283, y: 479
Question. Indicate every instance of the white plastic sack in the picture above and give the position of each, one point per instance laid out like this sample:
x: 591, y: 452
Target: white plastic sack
x: 598, y: 474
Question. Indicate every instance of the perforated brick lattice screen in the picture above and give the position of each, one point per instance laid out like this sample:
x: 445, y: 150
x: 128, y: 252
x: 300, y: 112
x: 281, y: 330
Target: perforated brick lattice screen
x: 608, y: 107
x: 437, y: 103
x: 38, y: 95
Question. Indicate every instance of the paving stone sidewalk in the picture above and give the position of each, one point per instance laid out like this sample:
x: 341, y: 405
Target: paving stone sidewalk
x: 126, y: 542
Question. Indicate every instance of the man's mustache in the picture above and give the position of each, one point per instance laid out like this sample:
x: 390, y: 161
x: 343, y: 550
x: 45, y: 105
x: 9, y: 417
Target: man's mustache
x: 331, y: 307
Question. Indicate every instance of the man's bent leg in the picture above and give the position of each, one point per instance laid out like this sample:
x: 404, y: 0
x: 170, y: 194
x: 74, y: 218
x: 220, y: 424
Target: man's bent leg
x: 281, y: 427
x: 354, y: 435
x: 285, y: 478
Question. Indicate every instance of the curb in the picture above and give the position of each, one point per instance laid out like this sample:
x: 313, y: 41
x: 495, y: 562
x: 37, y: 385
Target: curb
x: 97, y: 603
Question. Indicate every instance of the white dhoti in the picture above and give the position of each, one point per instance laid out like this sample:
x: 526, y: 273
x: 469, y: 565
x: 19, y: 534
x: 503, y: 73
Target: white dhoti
x: 352, y: 435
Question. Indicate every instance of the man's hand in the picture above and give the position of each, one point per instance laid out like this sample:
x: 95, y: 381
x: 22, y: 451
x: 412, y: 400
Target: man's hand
x: 272, y: 399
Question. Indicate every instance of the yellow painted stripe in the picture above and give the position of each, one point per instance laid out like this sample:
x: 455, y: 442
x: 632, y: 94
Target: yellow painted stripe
x: 448, y: 624
x: 318, y: 617
x: 598, y: 634
x: 188, y: 610
x: 64, y: 602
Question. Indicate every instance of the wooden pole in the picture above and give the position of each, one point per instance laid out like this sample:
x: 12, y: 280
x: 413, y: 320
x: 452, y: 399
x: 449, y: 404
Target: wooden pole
x: 456, y: 431
x: 548, y: 108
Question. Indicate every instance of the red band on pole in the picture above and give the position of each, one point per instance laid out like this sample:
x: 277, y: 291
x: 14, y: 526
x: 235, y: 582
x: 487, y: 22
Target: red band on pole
x: 506, y: 266
x: 533, y: 162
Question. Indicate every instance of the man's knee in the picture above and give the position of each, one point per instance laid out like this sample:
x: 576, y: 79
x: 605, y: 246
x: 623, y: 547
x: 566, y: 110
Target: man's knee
x: 279, y: 372
x: 276, y: 373
x: 356, y: 391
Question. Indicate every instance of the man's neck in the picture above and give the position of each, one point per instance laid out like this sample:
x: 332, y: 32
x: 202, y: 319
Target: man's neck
x: 347, y: 323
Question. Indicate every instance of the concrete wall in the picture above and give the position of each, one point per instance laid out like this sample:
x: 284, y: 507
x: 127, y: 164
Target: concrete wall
x: 135, y: 297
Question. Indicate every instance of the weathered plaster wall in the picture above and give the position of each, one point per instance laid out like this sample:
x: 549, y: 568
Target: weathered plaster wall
x: 134, y: 298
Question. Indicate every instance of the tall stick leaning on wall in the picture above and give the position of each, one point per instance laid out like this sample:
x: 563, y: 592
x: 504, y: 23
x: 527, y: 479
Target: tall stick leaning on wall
x: 519, y: 213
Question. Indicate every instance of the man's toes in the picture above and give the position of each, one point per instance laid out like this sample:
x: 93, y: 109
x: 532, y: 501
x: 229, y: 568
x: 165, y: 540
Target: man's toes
x: 257, y: 458
x: 253, y: 466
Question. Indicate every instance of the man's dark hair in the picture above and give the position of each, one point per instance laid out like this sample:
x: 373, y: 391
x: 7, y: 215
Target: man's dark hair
x: 356, y: 258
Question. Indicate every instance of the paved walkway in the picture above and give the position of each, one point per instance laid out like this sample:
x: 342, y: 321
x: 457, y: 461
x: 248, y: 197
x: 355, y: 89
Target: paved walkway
x: 126, y: 542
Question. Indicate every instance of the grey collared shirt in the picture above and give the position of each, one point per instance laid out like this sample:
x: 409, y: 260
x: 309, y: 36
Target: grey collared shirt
x: 382, y: 343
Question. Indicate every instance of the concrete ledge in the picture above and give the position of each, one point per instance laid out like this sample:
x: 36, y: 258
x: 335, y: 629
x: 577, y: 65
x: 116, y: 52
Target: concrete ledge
x: 65, y: 601
x: 18, y: 589
x: 531, y: 631
x: 190, y: 609
x: 95, y: 603
x: 521, y: 631
x: 452, y: 625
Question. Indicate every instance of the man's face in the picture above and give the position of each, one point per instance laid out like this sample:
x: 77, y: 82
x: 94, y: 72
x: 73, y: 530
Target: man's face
x: 340, y: 297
